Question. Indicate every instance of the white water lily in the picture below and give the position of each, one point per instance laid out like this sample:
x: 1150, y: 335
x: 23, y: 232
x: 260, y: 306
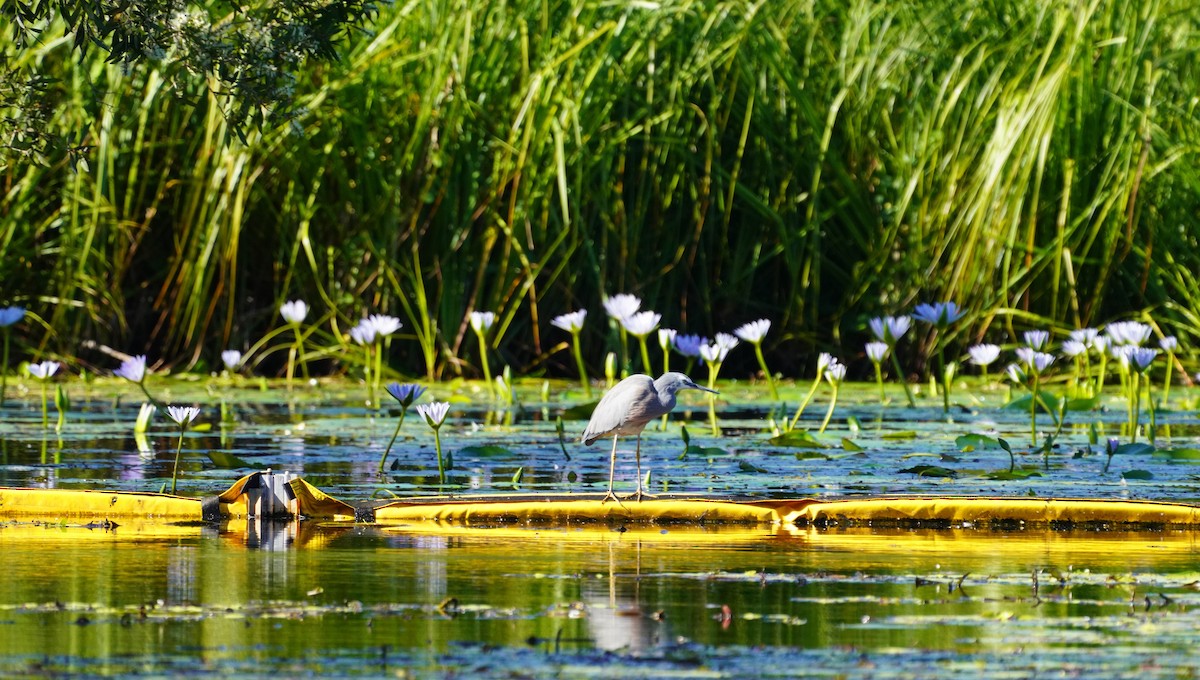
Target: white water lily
x: 44, y: 370
x: 183, y: 415
x: 641, y: 324
x: 384, y: 324
x: 753, y: 332
x: 983, y: 354
x: 572, y: 322
x: 876, y: 351
x: 1036, y: 339
x: 1127, y: 332
x: 482, y: 321
x: 294, y: 311
x: 622, y: 306
x: 232, y: 359
x: 434, y: 413
x: 133, y: 369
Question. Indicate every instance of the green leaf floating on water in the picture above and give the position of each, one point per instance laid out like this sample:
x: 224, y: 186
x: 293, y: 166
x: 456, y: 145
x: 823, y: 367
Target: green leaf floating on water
x: 1182, y: 455
x: 1133, y: 450
x: 971, y: 442
x: 850, y: 445
x: 903, y: 434
x: 1137, y: 474
x: 1012, y: 474
x: 747, y: 466
x: 802, y: 439
x: 486, y: 451
x: 929, y: 471
x: 228, y: 461
x: 811, y: 455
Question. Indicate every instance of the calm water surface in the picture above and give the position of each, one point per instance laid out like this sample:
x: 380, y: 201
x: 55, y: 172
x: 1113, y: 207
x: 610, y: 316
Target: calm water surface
x: 375, y: 600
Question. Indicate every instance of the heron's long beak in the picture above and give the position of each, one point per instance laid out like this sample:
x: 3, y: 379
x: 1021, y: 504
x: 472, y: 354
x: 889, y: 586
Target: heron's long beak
x: 704, y: 389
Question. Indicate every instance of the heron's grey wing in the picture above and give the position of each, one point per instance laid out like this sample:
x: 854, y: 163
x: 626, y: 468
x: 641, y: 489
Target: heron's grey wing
x: 613, y: 412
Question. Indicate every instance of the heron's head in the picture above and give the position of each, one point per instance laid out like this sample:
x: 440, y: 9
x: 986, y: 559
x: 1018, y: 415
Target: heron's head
x: 670, y: 383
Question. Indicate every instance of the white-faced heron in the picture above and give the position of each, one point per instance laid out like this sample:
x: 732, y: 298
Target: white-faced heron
x: 627, y: 408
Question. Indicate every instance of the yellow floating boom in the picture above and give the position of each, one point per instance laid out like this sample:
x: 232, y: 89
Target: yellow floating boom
x: 284, y: 496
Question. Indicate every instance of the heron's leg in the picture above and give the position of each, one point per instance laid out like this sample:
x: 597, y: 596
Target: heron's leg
x: 639, y: 494
x: 612, y: 471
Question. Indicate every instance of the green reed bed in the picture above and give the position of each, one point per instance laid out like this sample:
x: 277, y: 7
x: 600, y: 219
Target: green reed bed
x: 816, y: 164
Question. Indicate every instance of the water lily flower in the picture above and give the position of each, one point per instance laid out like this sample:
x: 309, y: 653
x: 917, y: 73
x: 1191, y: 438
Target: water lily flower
x: 835, y: 373
x: 294, y: 311
x: 714, y: 352
x: 1140, y: 358
x: 1127, y: 332
x: 363, y: 333
x: 753, y: 333
x: 434, y: 414
x: 1085, y: 335
x: 133, y: 369
x: 889, y: 329
x: 689, y: 344
x: 714, y: 355
x: 11, y: 315
x: 406, y: 394
x: 1134, y: 362
x: 726, y: 340
x: 666, y: 338
x: 1042, y: 361
x: 640, y: 326
x: 1073, y: 348
x: 622, y: 306
x: 43, y: 372
x: 940, y: 314
x: 8, y: 317
x: 481, y: 323
x: 182, y: 415
x: 824, y: 361
x: 1169, y: 343
x: 1015, y: 373
x: 232, y: 359
x: 619, y: 308
x: 383, y: 324
x: 983, y: 354
x: 572, y: 322
x: 876, y: 351
x: 1036, y: 339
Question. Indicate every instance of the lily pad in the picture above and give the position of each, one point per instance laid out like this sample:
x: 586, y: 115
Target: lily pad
x: 929, y: 471
x: 799, y: 439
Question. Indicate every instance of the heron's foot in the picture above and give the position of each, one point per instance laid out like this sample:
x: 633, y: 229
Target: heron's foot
x: 610, y: 496
x: 639, y: 495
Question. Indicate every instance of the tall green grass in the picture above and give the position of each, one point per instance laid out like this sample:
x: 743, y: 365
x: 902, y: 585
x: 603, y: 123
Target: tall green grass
x: 816, y: 163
